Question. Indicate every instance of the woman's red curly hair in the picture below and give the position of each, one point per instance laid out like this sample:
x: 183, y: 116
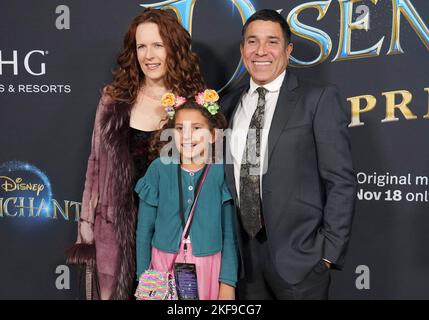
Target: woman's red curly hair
x: 182, y: 76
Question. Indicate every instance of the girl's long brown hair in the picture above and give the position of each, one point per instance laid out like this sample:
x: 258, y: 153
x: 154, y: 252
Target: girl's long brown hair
x: 182, y: 76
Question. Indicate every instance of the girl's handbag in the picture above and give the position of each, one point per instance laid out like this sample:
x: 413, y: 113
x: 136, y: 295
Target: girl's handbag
x: 156, y: 285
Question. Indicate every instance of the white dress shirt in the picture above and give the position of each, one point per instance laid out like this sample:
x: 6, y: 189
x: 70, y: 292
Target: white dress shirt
x: 241, y: 123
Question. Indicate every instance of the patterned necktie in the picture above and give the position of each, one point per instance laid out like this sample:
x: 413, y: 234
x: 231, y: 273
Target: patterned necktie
x: 250, y: 193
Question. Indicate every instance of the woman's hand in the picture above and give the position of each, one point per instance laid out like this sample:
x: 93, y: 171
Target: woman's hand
x: 86, y: 232
x: 226, y: 292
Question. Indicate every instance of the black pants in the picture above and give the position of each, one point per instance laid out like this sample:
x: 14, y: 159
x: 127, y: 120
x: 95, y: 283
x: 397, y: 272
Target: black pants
x: 262, y: 281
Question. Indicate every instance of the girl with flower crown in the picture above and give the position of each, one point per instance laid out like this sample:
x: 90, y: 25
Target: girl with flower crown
x: 188, y: 192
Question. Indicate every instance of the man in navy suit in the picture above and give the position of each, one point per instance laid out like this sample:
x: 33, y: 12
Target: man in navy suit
x: 290, y: 172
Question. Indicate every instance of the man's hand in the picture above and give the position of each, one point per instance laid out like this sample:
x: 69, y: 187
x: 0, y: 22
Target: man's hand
x: 327, y: 264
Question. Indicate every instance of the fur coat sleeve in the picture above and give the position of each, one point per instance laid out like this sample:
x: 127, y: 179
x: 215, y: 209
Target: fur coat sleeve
x: 92, y: 181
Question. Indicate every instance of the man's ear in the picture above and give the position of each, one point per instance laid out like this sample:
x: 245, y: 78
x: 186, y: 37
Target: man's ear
x: 289, y: 49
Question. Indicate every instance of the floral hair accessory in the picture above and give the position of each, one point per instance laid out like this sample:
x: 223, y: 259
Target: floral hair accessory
x: 208, y: 99
x: 170, y: 102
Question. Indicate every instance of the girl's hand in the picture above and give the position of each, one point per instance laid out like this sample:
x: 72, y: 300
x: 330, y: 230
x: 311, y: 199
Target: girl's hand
x: 226, y: 292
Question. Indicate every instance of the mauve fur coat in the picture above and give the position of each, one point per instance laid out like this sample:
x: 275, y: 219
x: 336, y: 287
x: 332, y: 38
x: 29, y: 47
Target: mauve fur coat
x: 108, y: 201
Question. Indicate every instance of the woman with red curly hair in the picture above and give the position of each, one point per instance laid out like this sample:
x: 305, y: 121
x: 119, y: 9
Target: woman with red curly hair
x: 156, y: 58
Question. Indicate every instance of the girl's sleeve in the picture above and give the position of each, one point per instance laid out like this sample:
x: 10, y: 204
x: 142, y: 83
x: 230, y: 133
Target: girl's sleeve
x: 229, y: 261
x: 147, y: 189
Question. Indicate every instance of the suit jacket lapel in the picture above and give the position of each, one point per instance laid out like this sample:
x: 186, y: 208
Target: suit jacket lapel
x: 286, y: 104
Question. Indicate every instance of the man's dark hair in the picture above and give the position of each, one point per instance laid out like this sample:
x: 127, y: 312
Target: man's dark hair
x: 269, y: 15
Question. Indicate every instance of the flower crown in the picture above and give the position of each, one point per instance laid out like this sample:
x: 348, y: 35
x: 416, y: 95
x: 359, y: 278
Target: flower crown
x: 207, y: 99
